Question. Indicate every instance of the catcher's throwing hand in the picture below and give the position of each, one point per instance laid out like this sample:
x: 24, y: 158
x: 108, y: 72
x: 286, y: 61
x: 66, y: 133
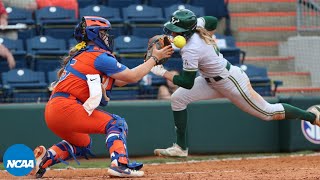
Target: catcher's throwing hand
x: 159, y: 49
x: 158, y: 70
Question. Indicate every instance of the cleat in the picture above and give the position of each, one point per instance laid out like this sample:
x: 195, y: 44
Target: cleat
x: 174, y: 151
x: 124, y: 171
x: 40, y: 154
x: 316, y: 111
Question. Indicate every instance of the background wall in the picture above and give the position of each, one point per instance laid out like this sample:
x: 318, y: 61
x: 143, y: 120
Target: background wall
x: 215, y: 126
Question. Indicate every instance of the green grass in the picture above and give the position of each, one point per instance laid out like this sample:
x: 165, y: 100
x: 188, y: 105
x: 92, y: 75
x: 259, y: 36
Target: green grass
x: 105, y: 162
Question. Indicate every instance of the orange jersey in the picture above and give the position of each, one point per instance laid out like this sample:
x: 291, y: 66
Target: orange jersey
x: 91, y: 61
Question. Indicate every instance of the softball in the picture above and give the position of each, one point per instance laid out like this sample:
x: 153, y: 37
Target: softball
x: 179, y: 41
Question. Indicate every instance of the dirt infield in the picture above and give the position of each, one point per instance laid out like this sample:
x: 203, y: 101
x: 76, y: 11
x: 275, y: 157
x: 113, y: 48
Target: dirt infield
x: 288, y: 167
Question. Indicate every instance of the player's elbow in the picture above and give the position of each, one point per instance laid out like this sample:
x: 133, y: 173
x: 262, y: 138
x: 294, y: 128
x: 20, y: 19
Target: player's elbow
x: 188, y: 84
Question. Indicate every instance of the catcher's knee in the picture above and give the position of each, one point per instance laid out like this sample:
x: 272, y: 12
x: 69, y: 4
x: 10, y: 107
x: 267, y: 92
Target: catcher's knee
x: 117, y: 128
x: 178, y: 103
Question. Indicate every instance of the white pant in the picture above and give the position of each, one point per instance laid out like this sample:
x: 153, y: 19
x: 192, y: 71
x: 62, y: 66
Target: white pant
x: 236, y: 87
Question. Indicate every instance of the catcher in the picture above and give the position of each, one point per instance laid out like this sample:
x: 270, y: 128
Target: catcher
x: 85, y: 82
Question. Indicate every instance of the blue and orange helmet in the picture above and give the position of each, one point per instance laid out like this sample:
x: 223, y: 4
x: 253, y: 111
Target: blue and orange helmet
x: 96, y: 29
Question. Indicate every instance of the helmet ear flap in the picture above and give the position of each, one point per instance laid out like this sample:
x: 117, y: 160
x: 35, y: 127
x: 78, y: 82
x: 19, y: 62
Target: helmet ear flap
x: 80, y: 32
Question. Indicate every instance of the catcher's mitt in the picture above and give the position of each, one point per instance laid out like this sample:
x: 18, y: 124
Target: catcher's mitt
x: 160, y: 41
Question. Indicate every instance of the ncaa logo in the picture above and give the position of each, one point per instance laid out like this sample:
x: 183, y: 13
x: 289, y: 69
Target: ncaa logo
x: 19, y: 160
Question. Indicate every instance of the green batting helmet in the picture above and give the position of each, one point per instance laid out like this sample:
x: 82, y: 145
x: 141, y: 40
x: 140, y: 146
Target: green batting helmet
x: 182, y: 21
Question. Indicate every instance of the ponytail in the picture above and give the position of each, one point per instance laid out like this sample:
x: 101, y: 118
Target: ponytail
x: 72, y: 52
x: 205, y: 35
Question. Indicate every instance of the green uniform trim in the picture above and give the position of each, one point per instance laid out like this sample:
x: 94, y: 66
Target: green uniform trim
x: 185, y: 79
x: 243, y: 94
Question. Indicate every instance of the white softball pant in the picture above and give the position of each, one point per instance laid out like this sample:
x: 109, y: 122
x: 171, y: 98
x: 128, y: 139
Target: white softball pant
x: 236, y: 87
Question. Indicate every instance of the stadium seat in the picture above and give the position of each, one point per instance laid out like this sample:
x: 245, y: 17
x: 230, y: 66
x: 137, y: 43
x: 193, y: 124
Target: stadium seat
x: 86, y: 3
x: 17, y: 15
x: 24, y: 85
x: 131, y: 62
x: 125, y: 93
x: 130, y: 45
x: 259, y: 79
x: 122, y: 3
x: 146, y: 32
x: 148, y: 89
x: 217, y: 8
x: 199, y: 11
x: 18, y: 52
x: 45, y: 52
x: 52, y: 76
x: 231, y: 52
x: 56, y: 22
x: 112, y: 14
x: 117, y: 31
x: 71, y: 43
x: 164, y: 3
x: 174, y: 63
x: 143, y: 14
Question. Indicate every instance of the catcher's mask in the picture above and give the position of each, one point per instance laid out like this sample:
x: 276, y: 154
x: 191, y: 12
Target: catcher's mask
x: 96, y: 29
x: 183, y: 22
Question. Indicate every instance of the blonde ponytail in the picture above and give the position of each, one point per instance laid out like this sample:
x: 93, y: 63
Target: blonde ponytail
x: 205, y: 35
x: 72, y: 52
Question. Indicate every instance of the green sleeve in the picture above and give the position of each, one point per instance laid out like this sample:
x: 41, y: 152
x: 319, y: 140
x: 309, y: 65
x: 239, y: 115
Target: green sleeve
x: 185, y: 79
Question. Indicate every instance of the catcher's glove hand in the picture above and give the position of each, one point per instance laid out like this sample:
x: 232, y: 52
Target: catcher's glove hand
x: 160, y: 41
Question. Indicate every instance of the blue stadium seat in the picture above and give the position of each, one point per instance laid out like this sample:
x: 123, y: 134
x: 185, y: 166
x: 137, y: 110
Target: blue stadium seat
x: 22, y: 16
x: 131, y: 62
x: 17, y: 15
x: 17, y: 49
x: 122, y: 3
x: 198, y: 10
x: 125, y: 93
x: 46, y: 45
x: 130, y: 45
x: 112, y: 14
x: 164, y: 3
x: 146, y: 32
x: 231, y: 52
x: 24, y: 85
x: 86, y: 3
x: 259, y: 78
x: 148, y: 89
x: 46, y: 52
x: 117, y: 31
x: 52, y: 76
x: 143, y: 14
x: 174, y: 64
x: 217, y: 8
x: 56, y: 22
x: 71, y: 43
x: 157, y: 80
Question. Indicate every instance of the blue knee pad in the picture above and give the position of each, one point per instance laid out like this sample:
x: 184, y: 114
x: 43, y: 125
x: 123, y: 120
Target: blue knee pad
x: 119, y: 126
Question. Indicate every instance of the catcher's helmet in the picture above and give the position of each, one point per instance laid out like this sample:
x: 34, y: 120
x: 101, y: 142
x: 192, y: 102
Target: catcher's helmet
x: 96, y: 29
x: 182, y: 21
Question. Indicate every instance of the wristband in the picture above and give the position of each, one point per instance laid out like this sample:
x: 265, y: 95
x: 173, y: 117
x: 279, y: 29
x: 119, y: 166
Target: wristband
x: 155, y: 59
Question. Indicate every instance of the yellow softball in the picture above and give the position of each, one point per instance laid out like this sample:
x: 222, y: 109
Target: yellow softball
x: 179, y: 41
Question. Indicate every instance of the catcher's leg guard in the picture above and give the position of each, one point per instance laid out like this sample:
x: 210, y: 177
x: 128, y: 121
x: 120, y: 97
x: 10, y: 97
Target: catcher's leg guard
x: 59, y: 152
x: 117, y: 131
